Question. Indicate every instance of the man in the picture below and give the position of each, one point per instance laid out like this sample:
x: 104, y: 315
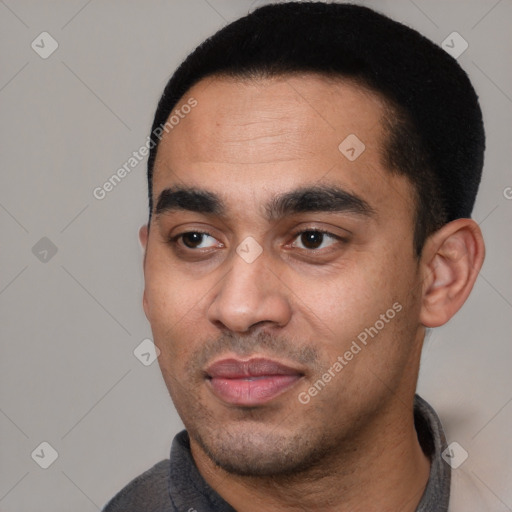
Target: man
x: 313, y: 171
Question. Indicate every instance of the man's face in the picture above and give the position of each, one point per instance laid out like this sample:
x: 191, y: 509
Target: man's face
x: 252, y: 317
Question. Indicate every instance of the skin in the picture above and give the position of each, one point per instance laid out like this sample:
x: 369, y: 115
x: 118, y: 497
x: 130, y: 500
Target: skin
x: 353, y: 446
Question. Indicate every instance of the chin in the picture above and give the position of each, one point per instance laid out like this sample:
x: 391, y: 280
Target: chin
x: 261, y: 451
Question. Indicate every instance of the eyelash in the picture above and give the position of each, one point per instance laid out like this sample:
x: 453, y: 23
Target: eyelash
x: 175, y: 239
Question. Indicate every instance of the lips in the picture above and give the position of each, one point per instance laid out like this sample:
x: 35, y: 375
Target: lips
x: 252, y: 382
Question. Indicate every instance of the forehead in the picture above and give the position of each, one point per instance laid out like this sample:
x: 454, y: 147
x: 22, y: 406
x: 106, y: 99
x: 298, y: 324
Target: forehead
x: 270, y: 134
x: 291, y: 117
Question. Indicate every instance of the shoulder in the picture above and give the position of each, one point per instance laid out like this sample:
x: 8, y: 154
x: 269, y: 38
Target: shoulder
x: 149, y: 492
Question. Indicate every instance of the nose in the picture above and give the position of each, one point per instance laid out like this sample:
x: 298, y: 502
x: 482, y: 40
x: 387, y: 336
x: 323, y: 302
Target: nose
x: 249, y: 294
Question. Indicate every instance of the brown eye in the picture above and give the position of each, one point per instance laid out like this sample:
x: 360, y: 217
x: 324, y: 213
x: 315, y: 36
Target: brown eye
x: 196, y: 240
x: 312, y: 239
x: 192, y: 240
x: 315, y: 239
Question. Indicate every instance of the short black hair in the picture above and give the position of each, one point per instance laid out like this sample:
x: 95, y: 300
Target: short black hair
x: 434, y: 127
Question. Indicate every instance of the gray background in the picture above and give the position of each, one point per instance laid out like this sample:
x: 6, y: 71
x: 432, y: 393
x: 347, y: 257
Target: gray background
x: 70, y: 323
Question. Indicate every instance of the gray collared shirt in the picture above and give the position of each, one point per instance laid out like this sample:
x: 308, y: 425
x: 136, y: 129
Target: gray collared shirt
x: 175, y: 484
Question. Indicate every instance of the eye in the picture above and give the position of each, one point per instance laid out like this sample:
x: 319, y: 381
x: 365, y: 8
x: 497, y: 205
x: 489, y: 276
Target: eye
x: 314, y: 239
x: 196, y: 240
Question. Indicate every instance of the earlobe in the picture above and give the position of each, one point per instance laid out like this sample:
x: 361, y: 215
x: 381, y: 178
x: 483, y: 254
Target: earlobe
x: 451, y: 260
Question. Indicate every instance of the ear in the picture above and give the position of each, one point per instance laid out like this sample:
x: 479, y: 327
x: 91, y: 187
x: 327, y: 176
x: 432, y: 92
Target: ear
x: 143, y: 237
x: 451, y: 260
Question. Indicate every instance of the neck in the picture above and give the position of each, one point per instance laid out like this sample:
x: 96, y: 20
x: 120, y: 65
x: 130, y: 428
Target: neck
x: 383, y: 469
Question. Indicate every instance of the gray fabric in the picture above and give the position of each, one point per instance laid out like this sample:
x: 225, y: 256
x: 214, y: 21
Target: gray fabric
x: 149, y: 492
x: 433, y: 441
x: 176, y: 485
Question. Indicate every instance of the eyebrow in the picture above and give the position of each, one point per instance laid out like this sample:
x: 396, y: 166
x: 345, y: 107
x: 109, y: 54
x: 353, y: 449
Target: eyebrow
x: 316, y: 198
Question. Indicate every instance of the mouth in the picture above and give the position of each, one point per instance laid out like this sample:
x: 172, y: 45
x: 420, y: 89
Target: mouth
x: 253, y: 382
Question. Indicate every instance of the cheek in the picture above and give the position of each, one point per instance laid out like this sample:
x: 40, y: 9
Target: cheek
x: 167, y: 294
x: 353, y: 298
x: 172, y: 308
x: 344, y: 296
